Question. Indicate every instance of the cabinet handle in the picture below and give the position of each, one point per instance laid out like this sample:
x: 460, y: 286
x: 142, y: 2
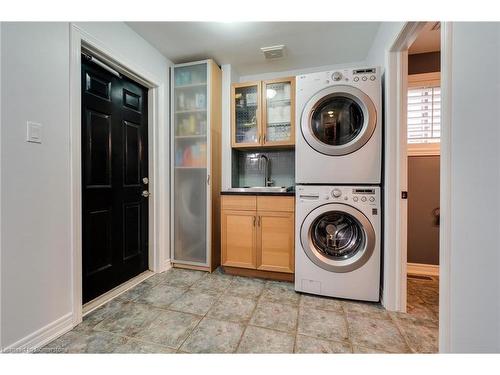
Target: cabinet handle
x: 258, y: 221
x: 208, y: 180
x: 254, y: 221
x: 264, y: 141
x: 259, y: 138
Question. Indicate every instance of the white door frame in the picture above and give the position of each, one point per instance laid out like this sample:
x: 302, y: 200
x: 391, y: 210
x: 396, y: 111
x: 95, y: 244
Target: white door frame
x: 395, y: 232
x: 158, y: 186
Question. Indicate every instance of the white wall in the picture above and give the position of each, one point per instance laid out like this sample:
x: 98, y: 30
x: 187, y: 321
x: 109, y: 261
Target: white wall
x: 386, y: 35
x: 297, y: 72
x: 474, y: 283
x: 36, y: 283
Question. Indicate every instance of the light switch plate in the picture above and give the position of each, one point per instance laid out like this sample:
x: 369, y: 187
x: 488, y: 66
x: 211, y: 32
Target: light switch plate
x: 33, y: 132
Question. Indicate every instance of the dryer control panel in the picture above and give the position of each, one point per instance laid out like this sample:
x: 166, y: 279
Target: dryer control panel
x: 357, y: 195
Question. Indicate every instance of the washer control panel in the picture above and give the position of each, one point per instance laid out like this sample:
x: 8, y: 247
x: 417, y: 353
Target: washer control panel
x: 354, y: 75
x: 343, y: 194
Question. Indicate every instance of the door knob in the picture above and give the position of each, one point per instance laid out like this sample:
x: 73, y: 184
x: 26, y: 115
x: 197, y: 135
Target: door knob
x: 145, y: 193
x: 145, y: 180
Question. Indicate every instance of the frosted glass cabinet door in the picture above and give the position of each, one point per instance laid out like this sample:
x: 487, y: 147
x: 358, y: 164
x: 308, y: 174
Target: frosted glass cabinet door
x: 246, y: 115
x: 279, y: 112
x: 190, y: 163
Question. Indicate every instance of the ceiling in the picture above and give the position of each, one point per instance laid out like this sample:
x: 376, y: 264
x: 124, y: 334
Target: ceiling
x: 307, y: 44
x: 427, y: 41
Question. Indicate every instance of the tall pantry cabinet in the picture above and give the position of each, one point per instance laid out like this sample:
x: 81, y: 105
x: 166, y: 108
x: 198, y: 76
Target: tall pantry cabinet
x: 196, y: 100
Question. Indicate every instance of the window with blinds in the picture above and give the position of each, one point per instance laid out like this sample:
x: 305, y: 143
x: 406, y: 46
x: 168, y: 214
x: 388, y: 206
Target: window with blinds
x: 424, y: 114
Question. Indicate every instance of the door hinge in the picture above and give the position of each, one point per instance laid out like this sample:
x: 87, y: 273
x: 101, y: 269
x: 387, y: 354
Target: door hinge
x: 404, y: 195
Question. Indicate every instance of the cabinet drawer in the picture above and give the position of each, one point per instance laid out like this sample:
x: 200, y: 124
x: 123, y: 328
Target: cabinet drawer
x: 268, y: 203
x: 239, y: 202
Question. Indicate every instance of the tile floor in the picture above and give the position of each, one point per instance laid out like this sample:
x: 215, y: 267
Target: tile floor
x: 182, y: 311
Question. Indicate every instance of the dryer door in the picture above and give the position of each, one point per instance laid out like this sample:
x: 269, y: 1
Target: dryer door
x: 338, y: 120
x: 337, y: 237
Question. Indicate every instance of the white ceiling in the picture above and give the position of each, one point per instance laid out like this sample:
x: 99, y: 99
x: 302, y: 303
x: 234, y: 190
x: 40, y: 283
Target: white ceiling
x: 308, y: 44
x: 427, y: 41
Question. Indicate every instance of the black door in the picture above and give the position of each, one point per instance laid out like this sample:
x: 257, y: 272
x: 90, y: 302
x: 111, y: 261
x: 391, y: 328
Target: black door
x: 114, y: 176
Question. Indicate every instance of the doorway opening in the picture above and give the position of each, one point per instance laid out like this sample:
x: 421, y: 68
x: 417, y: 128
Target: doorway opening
x: 423, y: 172
x: 114, y: 156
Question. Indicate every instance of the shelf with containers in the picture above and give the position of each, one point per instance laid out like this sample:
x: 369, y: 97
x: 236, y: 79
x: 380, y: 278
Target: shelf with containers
x: 195, y: 158
x: 263, y: 113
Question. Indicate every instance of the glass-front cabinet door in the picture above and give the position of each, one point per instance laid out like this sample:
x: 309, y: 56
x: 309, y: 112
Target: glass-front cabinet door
x: 190, y: 132
x: 278, y: 112
x: 246, y: 114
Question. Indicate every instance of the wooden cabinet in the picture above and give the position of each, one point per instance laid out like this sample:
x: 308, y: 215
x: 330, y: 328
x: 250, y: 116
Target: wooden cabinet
x: 239, y: 235
x: 195, y: 163
x: 258, y: 232
x: 263, y: 113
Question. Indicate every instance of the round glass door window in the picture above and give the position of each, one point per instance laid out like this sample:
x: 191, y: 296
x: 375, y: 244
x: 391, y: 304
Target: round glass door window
x: 337, y: 235
x: 337, y: 120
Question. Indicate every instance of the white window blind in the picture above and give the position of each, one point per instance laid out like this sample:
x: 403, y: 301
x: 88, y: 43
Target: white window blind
x: 424, y: 114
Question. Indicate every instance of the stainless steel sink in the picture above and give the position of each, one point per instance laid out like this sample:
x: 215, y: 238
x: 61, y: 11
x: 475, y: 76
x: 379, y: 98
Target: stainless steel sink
x: 259, y: 189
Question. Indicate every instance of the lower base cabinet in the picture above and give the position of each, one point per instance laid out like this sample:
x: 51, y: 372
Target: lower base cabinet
x: 258, y: 232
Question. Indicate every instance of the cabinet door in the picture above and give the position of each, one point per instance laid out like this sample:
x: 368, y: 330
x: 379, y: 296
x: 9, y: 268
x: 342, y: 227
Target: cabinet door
x: 246, y: 122
x: 278, y: 120
x: 239, y: 237
x: 275, y: 241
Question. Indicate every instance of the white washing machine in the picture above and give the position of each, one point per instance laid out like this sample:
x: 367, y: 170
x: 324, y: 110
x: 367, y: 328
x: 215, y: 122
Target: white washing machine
x: 337, y: 241
x: 339, y: 127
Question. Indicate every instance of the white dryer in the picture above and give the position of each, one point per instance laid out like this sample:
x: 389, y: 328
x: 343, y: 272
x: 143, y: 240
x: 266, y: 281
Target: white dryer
x: 337, y: 241
x: 339, y: 127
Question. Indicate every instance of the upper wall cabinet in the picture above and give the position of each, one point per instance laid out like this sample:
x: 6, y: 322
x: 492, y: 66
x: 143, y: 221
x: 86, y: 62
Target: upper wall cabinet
x: 263, y: 113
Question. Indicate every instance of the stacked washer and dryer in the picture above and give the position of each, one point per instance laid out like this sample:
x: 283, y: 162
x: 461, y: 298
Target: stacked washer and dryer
x: 338, y: 167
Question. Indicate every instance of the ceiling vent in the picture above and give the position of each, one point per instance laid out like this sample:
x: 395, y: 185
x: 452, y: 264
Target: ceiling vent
x: 273, y: 52
x: 436, y: 26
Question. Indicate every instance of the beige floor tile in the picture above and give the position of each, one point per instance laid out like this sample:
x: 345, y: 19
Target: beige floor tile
x: 323, y: 324
x: 311, y: 345
x: 194, y: 302
x: 160, y: 296
x: 169, y: 328
x: 380, y: 334
x: 214, y: 336
x: 276, y: 316
x: 280, y: 292
x: 233, y: 309
x: 261, y: 340
x: 129, y: 320
x: 322, y: 303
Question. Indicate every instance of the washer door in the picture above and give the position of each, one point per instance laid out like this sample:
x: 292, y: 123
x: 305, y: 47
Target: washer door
x: 337, y: 237
x: 338, y: 120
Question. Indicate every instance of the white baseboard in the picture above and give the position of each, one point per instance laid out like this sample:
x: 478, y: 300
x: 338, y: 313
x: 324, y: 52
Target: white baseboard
x: 42, y: 336
x: 167, y: 265
x: 423, y: 269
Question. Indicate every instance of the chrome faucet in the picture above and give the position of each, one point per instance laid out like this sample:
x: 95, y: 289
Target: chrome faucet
x: 267, y: 175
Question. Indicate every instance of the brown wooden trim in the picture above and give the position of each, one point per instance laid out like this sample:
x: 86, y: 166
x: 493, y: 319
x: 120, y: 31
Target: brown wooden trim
x: 215, y: 161
x: 191, y: 267
x: 270, y: 275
